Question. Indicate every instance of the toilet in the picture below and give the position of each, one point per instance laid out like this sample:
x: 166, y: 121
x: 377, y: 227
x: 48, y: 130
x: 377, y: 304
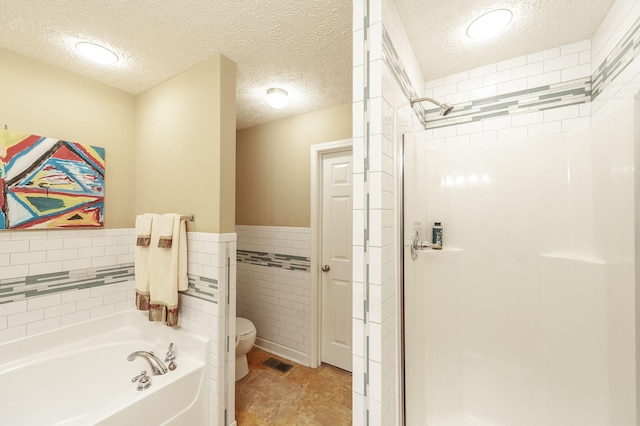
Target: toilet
x: 245, y: 338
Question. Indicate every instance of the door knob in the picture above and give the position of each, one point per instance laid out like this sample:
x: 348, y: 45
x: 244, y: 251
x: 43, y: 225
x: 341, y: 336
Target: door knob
x: 326, y: 268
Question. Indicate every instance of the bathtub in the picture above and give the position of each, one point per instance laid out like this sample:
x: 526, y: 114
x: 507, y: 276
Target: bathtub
x: 79, y: 375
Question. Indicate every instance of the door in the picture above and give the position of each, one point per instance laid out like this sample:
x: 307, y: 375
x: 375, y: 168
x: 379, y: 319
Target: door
x: 336, y: 259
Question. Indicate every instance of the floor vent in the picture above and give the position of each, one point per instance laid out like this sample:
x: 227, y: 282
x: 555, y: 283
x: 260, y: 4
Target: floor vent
x: 276, y: 364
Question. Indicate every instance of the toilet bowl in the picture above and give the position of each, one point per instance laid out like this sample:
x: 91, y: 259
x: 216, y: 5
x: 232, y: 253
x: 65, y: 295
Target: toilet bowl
x: 245, y: 338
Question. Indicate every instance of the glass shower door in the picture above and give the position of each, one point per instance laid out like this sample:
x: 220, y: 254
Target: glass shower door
x: 518, y: 320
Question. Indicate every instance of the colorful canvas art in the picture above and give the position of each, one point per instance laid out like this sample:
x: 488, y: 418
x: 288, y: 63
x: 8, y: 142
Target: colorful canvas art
x: 50, y: 183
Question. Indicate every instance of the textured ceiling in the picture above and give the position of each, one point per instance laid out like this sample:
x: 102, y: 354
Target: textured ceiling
x: 437, y: 30
x: 303, y: 46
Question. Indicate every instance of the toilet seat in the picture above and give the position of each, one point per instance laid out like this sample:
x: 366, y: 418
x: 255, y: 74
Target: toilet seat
x: 244, y: 327
x: 245, y: 338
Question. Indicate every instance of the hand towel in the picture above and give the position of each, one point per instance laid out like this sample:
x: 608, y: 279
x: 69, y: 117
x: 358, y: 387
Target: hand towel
x: 168, y: 267
x: 144, y: 224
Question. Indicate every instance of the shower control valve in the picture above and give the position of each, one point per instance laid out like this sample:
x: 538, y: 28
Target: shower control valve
x: 418, y: 244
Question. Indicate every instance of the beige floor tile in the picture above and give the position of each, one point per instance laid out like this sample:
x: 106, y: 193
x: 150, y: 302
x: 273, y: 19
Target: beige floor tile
x: 302, y: 396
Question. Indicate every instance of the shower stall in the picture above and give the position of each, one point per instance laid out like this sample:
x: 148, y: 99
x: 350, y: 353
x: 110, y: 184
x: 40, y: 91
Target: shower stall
x: 526, y: 316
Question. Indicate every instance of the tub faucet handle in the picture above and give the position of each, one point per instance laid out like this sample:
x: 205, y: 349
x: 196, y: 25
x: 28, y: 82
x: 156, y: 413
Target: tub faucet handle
x: 143, y: 381
x: 171, y: 354
x: 170, y: 358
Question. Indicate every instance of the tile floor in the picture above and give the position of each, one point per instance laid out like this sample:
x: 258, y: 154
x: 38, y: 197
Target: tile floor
x: 301, y: 396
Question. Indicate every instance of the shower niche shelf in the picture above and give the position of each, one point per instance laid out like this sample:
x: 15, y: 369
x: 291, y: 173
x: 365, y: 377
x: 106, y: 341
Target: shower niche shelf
x: 444, y: 250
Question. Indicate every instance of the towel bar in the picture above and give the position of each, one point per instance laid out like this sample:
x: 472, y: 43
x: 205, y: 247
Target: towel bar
x: 190, y: 218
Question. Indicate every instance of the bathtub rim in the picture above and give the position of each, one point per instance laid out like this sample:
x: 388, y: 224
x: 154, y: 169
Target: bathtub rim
x: 36, y: 344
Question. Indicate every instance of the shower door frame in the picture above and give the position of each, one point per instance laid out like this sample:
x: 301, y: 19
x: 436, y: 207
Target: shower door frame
x: 401, y: 226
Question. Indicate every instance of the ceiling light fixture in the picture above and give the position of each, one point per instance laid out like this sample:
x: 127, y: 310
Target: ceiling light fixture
x: 96, y: 53
x: 489, y: 24
x: 277, y: 98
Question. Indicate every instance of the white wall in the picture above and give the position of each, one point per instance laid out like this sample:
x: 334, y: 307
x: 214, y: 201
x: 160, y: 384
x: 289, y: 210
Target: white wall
x: 274, y: 287
x: 381, y: 114
x: 55, y: 278
x: 553, y: 72
x: 524, y: 304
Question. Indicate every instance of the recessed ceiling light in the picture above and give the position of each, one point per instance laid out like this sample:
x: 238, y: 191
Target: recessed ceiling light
x: 489, y: 24
x: 277, y: 98
x: 96, y: 53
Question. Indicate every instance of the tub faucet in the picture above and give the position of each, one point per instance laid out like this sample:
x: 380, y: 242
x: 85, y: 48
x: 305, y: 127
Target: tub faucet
x: 157, y: 366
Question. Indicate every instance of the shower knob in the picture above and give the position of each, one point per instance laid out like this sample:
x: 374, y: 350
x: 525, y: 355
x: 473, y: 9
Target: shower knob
x: 326, y: 268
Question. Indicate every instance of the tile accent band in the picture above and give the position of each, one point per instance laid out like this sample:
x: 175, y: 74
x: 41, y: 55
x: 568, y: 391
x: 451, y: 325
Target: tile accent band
x: 274, y: 260
x: 22, y: 288
x: 541, y: 98
x: 627, y: 49
x: 17, y: 289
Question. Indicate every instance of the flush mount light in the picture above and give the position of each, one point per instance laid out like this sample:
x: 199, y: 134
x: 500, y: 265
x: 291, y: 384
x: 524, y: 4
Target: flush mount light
x: 96, y: 53
x: 489, y: 24
x: 277, y: 98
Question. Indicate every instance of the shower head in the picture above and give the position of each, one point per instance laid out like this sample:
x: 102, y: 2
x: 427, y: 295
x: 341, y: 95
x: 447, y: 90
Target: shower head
x: 445, y: 108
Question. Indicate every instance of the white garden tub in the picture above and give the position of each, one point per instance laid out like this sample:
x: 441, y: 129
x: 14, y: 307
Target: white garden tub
x: 79, y: 375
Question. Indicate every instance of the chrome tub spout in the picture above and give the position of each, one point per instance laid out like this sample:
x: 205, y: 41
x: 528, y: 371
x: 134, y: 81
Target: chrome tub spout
x: 157, y: 366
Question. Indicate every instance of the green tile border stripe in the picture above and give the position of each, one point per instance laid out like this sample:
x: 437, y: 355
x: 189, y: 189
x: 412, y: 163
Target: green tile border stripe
x: 627, y: 49
x: 16, y: 289
x: 392, y: 59
x: 23, y: 288
x: 202, y: 288
x: 540, y: 98
x: 274, y: 260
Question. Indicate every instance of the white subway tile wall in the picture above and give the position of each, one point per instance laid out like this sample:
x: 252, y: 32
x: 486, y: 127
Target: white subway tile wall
x: 40, y: 252
x: 361, y: 145
x: 274, y: 283
x: 385, y: 116
x: 538, y: 94
x: 207, y: 309
x: 93, y: 275
x: 616, y: 46
x: 543, y: 93
x: 70, y: 259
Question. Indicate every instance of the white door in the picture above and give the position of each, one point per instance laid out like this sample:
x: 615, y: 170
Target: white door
x: 336, y: 258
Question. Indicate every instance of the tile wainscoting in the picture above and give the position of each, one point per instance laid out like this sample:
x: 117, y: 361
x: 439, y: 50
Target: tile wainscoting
x: 51, y: 279
x: 274, y: 287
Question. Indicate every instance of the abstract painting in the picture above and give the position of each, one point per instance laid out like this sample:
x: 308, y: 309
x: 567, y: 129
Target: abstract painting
x: 50, y: 183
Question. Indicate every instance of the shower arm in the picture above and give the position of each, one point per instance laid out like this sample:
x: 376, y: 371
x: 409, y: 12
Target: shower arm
x: 418, y: 100
x: 445, y: 108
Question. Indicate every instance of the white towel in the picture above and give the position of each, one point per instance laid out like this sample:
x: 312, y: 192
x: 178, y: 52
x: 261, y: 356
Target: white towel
x: 168, y: 260
x: 144, y: 224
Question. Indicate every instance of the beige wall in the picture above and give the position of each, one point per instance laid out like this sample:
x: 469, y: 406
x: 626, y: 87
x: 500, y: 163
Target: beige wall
x: 40, y: 99
x: 273, y: 166
x: 186, y: 146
